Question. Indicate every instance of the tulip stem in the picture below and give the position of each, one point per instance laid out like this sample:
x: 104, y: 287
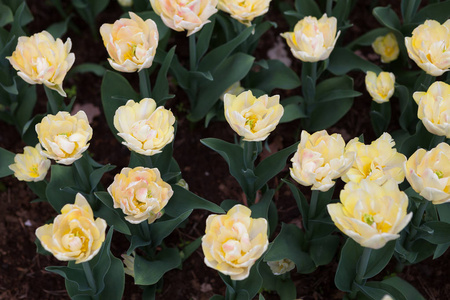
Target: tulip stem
x: 144, y: 84
x: 54, y: 107
x: 313, y: 204
x: 309, y: 77
x: 192, y: 52
x: 329, y: 8
x: 89, y: 276
x: 361, y: 271
x: 145, y: 230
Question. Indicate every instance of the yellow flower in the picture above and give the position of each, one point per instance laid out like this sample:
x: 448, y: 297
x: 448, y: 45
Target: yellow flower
x: 234, y: 242
x: 181, y: 15
x: 371, y: 214
x: 387, y: 47
x: 131, y: 43
x: 380, y: 87
x: 253, y: 118
x: 31, y: 165
x: 74, y: 235
x: 244, y: 10
x: 429, y: 47
x: 144, y: 128
x: 40, y: 59
x: 319, y: 159
x: 64, y: 137
x: 281, y: 266
x: 312, y: 39
x: 140, y: 193
x: 434, y: 108
x: 378, y: 161
x: 428, y: 173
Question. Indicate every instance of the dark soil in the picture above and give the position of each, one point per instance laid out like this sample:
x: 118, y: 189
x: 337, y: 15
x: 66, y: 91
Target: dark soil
x: 23, y: 274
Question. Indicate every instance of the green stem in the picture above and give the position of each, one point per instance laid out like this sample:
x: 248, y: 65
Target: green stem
x: 144, y: 84
x: 145, y: 230
x: 313, y: 204
x: 360, y: 272
x: 249, y: 155
x: 309, y: 78
x: 417, y: 219
x: 192, y: 52
x: 329, y: 9
x: 89, y: 276
x: 53, y: 105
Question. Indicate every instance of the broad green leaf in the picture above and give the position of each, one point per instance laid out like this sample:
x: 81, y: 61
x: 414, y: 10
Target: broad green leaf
x: 379, y: 259
x: 227, y: 72
x: 288, y: 244
x: 371, y: 292
x: 272, y: 165
x: 26, y: 101
x: 183, y: 200
x: 96, y: 69
x: 323, y: 250
x: 190, y: 248
x: 161, y: 229
x: 408, y: 115
x: 308, y: 8
x: 6, y: 159
x: 407, y: 290
x: 435, y: 232
x: 444, y: 212
x: 204, y: 37
x: 29, y: 134
x: 161, y: 89
x: 343, y: 61
x: 368, y: 38
x: 261, y: 209
x: 215, y: 57
x: 97, y: 174
x: 436, y: 11
x: 61, y: 177
x: 325, y: 116
x: 148, y: 272
x: 302, y: 204
x: 111, y: 215
x: 409, y: 9
x: 6, y: 15
x: 293, y: 112
x: 380, y: 116
x: 116, y: 91
x: 278, y: 75
x: 57, y: 30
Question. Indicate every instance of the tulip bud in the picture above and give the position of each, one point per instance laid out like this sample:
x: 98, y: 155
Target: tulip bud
x: 380, y: 87
x: 31, y: 165
x: 387, y: 47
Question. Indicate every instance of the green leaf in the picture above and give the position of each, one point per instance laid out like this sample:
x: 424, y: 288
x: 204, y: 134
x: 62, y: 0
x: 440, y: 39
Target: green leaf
x: 278, y: 75
x: 379, y: 259
x: 183, y: 200
x: 380, y: 116
x: 6, y: 159
x: 97, y: 174
x: 435, y: 232
x: 227, y: 72
x: 409, y: 9
x: 288, y: 244
x: 272, y: 165
x: 302, y: 203
x: 436, y: 11
x: 261, y: 209
x: 116, y: 91
x: 161, y: 89
x: 343, y: 61
x: 408, y: 115
x: 57, y: 30
x: 148, y: 272
x: 371, y: 292
x: 215, y: 57
x: 96, y: 69
x: 308, y: 8
x: 444, y: 212
x: 406, y: 289
x: 111, y: 215
x: 292, y: 112
x: 368, y: 38
x: 322, y: 250
x: 190, y: 248
x: 6, y: 15
x: 161, y: 229
x: 61, y: 177
x: 204, y: 37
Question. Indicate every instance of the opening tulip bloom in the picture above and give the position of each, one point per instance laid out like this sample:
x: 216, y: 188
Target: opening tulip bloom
x: 144, y: 128
x: 180, y: 15
x: 131, y: 43
x: 234, y: 242
x: 429, y: 47
x: 434, y: 108
x: 64, y: 137
x: 378, y: 161
x: 371, y: 214
x: 253, y: 118
x: 140, y: 193
x: 313, y: 40
x: 31, y: 165
x: 40, y: 59
x: 387, y: 47
x: 319, y: 159
x: 74, y: 234
x: 380, y: 87
x: 244, y: 10
x: 428, y: 172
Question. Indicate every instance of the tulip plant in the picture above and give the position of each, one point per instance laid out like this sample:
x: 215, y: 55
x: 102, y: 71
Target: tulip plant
x: 382, y: 217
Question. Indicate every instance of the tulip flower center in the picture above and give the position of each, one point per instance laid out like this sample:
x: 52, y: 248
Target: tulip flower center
x: 439, y: 174
x: 251, y: 121
x: 34, y: 170
x: 367, y: 218
x: 232, y: 249
x: 73, y: 241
